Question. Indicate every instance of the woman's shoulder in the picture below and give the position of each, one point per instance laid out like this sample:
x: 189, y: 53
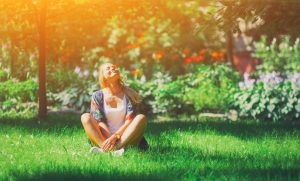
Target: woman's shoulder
x: 97, y: 95
x: 100, y: 91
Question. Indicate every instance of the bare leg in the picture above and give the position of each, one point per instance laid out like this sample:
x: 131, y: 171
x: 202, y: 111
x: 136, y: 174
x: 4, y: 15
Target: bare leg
x: 91, y: 129
x: 134, y: 132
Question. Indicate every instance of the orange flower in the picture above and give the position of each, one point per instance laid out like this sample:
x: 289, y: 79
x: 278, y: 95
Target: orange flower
x: 130, y: 45
x: 133, y: 45
x: 140, y: 35
x: 136, y: 72
x: 185, y: 51
x: 158, y: 55
x: 106, y: 53
x: 216, y: 56
x: 202, y: 51
x: 221, y: 55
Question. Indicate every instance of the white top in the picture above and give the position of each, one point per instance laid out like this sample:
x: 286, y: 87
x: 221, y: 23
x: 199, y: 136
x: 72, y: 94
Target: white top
x: 115, y: 116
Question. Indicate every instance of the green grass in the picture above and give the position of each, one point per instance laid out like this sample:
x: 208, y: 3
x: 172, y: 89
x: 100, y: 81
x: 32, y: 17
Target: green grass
x: 57, y: 148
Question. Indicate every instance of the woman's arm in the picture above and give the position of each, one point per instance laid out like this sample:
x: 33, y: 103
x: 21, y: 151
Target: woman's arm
x: 104, y: 130
x: 110, y: 143
x: 122, y: 128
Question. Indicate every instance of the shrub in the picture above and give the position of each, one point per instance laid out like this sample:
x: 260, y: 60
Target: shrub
x: 270, y: 97
x: 282, y: 57
x: 13, y: 93
x: 77, y: 96
x: 168, y: 94
x: 3, y: 75
x: 58, y: 79
x: 211, y: 87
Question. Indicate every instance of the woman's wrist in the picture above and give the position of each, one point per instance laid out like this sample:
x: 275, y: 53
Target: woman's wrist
x: 118, y: 136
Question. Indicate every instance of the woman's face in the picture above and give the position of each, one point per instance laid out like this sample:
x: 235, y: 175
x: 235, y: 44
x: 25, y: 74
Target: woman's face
x: 110, y: 72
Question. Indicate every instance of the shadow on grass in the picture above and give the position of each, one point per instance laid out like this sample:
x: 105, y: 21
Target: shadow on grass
x: 239, y: 129
x: 75, y: 175
x: 53, y: 121
x: 263, y: 174
x: 169, y: 173
x: 210, y: 166
x: 218, y: 164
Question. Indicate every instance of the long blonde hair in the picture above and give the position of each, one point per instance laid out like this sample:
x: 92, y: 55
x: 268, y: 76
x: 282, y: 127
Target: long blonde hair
x: 130, y: 93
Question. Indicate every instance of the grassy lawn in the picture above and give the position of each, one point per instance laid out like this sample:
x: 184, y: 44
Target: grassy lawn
x: 180, y: 150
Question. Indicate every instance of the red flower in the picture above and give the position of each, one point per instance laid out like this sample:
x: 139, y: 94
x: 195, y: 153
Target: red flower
x: 188, y: 60
x: 199, y: 58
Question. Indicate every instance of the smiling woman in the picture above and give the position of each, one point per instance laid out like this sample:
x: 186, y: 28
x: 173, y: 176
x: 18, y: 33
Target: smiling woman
x: 113, y: 123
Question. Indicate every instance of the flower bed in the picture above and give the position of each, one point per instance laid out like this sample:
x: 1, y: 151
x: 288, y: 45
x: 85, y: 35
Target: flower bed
x: 270, y: 97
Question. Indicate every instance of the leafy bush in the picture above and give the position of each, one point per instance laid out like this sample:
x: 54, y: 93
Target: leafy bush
x: 281, y: 57
x: 58, y: 79
x: 168, y: 94
x: 13, y: 93
x: 76, y: 96
x: 75, y: 87
x: 211, y: 87
x: 19, y: 62
x: 270, y: 97
x: 3, y: 75
x: 161, y: 93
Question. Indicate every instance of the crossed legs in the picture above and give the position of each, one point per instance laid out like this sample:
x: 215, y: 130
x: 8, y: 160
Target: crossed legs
x: 131, y: 136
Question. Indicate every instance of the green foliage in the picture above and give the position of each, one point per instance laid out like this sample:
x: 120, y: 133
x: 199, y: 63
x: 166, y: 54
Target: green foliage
x: 77, y: 96
x: 280, y: 102
x: 140, y: 34
x: 18, y: 62
x: 58, y: 79
x: 281, y: 57
x: 13, y: 93
x: 211, y: 87
x: 3, y: 75
x: 168, y: 94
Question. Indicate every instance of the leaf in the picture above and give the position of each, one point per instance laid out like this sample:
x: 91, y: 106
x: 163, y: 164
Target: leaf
x: 297, y: 107
x: 271, y: 107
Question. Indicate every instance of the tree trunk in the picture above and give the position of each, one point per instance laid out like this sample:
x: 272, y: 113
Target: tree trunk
x: 13, y: 57
x: 229, y: 46
x: 42, y: 61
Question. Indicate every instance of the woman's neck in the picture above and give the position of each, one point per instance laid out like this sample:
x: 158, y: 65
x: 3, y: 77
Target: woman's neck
x: 115, y: 88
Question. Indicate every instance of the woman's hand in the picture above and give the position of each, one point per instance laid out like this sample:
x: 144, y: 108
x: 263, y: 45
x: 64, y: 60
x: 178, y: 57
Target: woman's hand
x: 110, y: 143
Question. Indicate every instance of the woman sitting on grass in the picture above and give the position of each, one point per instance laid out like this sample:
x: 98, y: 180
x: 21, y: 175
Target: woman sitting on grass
x: 112, y: 123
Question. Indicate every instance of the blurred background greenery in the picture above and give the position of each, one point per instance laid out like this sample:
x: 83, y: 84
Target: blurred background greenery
x: 184, y: 57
